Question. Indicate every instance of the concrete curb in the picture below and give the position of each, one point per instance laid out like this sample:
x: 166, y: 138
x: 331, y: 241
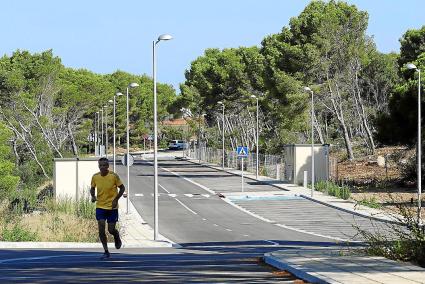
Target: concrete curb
x: 297, y: 270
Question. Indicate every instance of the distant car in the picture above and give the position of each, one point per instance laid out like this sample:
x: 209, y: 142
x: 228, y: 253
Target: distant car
x: 178, y: 145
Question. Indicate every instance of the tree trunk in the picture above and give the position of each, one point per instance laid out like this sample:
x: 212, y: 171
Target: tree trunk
x: 74, y: 146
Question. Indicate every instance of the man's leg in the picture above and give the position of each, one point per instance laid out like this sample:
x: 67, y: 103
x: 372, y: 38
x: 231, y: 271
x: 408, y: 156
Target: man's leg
x: 102, y: 235
x: 113, y: 231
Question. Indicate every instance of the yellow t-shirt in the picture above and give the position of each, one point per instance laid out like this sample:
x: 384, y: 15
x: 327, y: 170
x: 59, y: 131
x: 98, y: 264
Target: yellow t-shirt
x: 106, y: 187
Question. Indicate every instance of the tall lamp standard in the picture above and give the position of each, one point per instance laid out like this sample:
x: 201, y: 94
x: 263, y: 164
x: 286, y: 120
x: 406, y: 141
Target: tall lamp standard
x: 222, y: 135
x: 307, y: 89
x: 162, y: 37
x: 97, y: 135
x: 115, y: 98
x: 102, y: 141
x: 106, y: 130
x: 419, y: 150
x: 257, y: 138
x: 132, y: 85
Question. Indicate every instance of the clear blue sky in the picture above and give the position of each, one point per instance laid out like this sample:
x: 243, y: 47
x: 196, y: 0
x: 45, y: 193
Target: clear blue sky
x: 106, y: 35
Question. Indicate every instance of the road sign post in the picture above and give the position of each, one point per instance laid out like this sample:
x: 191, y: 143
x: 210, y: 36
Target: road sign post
x: 242, y: 152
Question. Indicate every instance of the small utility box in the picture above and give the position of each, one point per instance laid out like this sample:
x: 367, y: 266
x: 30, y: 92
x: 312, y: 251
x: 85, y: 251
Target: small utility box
x: 72, y: 177
x: 298, y: 159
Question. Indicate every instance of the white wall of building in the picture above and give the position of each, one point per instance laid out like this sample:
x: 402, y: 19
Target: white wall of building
x: 72, y: 177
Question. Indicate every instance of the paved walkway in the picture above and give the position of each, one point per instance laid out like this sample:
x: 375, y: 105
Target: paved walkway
x: 330, y: 265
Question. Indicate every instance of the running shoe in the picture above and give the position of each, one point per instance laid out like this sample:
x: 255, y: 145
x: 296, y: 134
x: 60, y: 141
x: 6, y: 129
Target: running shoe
x: 106, y: 255
x: 118, y: 242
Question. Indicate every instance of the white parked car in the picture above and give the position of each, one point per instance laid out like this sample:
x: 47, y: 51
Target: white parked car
x: 178, y: 145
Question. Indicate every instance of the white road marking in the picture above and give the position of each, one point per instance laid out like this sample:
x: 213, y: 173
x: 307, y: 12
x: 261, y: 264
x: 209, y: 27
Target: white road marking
x: 228, y: 230
x: 138, y: 194
x: 189, y: 195
x: 216, y: 225
x: 46, y: 257
x: 186, y: 206
x: 206, y: 195
x: 163, y: 188
x: 172, y: 195
x: 273, y: 243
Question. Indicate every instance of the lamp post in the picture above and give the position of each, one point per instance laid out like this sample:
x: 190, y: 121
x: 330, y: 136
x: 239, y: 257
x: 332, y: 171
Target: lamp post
x: 106, y: 130
x: 222, y: 135
x: 257, y: 140
x: 132, y: 85
x: 97, y: 135
x: 419, y: 150
x: 307, y: 89
x: 101, y: 137
x: 115, y: 96
x: 162, y: 37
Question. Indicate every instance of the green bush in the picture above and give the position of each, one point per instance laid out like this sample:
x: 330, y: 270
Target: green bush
x: 404, y: 241
x: 370, y: 202
x: 333, y: 189
x: 17, y: 233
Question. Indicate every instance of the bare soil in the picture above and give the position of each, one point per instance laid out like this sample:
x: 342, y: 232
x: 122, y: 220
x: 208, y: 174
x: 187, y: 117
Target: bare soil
x: 385, y: 183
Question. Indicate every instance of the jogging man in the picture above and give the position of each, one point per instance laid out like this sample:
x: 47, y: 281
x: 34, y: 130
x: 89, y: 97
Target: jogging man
x: 106, y: 182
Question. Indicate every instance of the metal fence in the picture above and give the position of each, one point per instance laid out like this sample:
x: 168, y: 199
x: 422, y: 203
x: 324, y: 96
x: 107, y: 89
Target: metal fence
x: 268, y: 165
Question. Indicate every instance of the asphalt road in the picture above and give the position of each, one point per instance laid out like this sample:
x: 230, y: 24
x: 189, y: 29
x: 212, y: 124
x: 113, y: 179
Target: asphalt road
x: 221, y: 242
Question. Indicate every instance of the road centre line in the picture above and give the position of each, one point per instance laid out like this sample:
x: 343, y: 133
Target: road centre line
x: 186, y: 206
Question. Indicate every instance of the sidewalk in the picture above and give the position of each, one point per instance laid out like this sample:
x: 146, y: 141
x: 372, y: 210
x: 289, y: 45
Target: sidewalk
x: 333, y: 265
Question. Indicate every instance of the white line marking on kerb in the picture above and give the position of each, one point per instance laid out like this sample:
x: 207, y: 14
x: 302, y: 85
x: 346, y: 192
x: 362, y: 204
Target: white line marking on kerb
x: 186, y: 206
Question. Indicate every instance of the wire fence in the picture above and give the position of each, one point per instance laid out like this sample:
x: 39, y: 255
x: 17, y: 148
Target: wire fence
x: 268, y: 165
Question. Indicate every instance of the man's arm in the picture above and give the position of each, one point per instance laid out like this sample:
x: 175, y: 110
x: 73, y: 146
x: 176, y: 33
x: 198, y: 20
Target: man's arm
x: 92, y: 193
x: 120, y: 193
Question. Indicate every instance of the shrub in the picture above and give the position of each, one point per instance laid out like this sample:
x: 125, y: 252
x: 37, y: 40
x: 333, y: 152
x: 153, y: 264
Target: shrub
x: 403, y: 241
x: 370, y: 202
x: 15, y: 232
x: 333, y: 189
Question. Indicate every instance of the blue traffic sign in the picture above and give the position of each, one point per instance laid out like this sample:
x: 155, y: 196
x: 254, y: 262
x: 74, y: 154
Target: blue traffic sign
x: 242, y: 151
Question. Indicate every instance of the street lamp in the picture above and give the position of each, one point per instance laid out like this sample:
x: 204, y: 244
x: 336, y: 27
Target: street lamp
x: 222, y: 136
x: 115, y: 96
x: 97, y: 134
x: 162, y: 37
x: 101, y: 137
x: 106, y: 130
x: 307, y: 89
x: 257, y: 138
x: 132, y: 85
x: 419, y: 150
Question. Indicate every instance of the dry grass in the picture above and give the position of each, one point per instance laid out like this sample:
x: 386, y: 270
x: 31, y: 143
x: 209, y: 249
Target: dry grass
x: 61, y: 227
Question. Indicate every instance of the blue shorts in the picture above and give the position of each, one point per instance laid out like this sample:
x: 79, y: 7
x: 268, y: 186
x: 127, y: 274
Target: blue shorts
x: 104, y: 214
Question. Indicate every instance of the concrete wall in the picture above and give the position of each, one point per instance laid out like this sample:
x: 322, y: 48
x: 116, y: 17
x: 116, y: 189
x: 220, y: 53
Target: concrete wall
x: 72, y: 177
x: 298, y: 160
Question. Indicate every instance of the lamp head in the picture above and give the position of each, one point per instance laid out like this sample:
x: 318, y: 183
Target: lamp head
x: 110, y: 101
x: 411, y: 66
x: 133, y: 85
x: 307, y: 89
x: 220, y: 102
x: 253, y: 96
x: 118, y: 94
x: 165, y: 37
